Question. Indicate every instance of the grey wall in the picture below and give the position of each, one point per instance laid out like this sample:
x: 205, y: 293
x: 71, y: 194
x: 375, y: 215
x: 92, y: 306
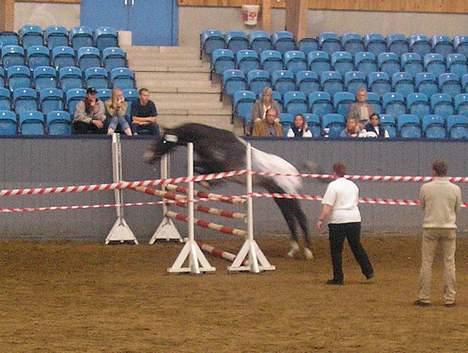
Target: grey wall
x: 57, y: 162
x: 44, y: 15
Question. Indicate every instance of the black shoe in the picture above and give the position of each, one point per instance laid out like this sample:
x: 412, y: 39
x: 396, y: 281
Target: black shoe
x: 419, y: 302
x: 370, y: 276
x: 334, y: 282
x: 450, y: 305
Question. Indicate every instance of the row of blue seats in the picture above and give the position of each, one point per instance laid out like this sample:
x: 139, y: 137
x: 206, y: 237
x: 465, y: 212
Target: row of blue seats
x: 67, y: 77
x: 322, y: 103
x: 51, y: 99
x: 332, y: 82
x: 35, y: 123
x: 331, y: 42
x: 85, y: 57
x: 319, y: 61
x: 55, y: 36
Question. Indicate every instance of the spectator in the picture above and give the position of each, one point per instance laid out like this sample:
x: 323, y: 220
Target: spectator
x: 90, y: 114
x: 144, y: 113
x: 373, y: 128
x: 299, y: 127
x: 351, y: 129
x: 261, y: 106
x: 340, y: 205
x: 440, y: 200
x: 361, y: 110
x: 268, y: 126
x: 116, y: 110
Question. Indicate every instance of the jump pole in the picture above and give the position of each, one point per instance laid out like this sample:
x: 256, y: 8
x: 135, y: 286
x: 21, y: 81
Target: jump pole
x: 257, y: 261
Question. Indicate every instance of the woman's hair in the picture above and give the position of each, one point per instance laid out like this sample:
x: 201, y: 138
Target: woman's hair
x: 115, y: 92
x: 340, y: 169
x: 267, y: 90
x: 301, y: 116
x: 375, y: 114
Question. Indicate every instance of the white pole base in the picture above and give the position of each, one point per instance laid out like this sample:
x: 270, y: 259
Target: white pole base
x: 197, y: 262
x: 166, y: 230
x: 121, y: 232
x: 257, y: 261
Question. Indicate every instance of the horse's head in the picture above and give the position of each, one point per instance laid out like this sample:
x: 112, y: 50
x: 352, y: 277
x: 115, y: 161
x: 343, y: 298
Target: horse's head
x: 160, y: 147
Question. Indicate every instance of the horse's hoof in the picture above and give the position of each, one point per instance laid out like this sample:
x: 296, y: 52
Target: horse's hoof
x: 309, y: 255
x: 294, y: 249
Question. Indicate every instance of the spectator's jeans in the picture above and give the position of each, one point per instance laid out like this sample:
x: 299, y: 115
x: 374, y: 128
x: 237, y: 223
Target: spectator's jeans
x: 431, y: 238
x: 351, y: 231
x: 81, y: 128
x: 115, y: 120
x: 151, y: 129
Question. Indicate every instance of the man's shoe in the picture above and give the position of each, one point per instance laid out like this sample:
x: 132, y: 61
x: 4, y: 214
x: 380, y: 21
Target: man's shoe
x: 450, y: 305
x: 419, y: 302
x: 334, y: 282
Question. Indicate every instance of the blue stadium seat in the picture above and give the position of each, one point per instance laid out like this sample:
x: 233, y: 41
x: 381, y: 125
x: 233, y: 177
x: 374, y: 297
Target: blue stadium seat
x: 426, y: 83
x: 313, y: 121
x: 329, y: 42
x: 434, y: 63
x: 233, y: 80
x: 24, y: 100
x: 457, y: 64
x: 375, y: 43
x: 31, y: 35
x: 342, y: 101
x: 412, y: 63
x: 331, y: 82
x: 402, y: 82
x: 318, y: 61
x: 320, y: 103
x: 2, y: 77
x: 96, y: 77
x: 271, y: 60
x: 335, y: 123
x: 278, y: 98
x: 295, y: 102
x: 130, y: 94
x: 374, y: 100
x: 12, y: 55
x: 31, y: 123
x: 236, y: 40
x: 121, y: 77
x: 59, y: 123
x: 389, y: 63
x: 306, y: 45
x: 222, y: 60
x: 19, y: 76
x: 286, y: 120
x: 418, y: 104
x: 419, y: 43
x: 283, y: 81
x: 295, y: 60
x: 106, y: 37
x: 5, y: 102
x: 210, y: 40
x: 8, y: 123
x: 352, y: 43
x: 247, y: 60
x: 397, y: 43
x: 433, y: 127
x: 258, y: 80
x: 45, y: 77
x: 243, y: 102
x: 70, y: 77
x: 307, y: 82
x: 260, y: 41
x: 409, y: 126
x: 442, y: 44
x: 63, y: 57
x: 460, y: 44
x: 388, y: 122
x: 38, y: 55
x: 464, y: 82
x: 365, y: 62
x: 354, y: 80
x: 450, y: 84
x: 113, y: 58
x: 379, y: 82
x: 73, y: 96
x: 283, y: 41
x: 441, y: 104
x: 9, y: 38
x: 88, y: 57
x: 51, y: 99
x: 81, y: 37
x: 56, y: 36
x: 461, y: 104
x: 394, y: 104
x: 457, y: 127
x: 342, y: 62
x: 106, y: 93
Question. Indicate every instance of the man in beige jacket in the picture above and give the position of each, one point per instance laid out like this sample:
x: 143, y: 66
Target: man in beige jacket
x: 440, y: 200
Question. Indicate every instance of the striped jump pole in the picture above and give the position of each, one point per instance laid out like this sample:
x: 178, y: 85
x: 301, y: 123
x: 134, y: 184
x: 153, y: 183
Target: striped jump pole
x: 207, y: 195
x: 216, y: 252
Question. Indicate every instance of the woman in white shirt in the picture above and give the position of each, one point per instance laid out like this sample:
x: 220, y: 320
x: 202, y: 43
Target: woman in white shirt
x: 299, y: 127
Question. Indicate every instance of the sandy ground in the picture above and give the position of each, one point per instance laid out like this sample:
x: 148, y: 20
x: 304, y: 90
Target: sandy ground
x: 80, y: 297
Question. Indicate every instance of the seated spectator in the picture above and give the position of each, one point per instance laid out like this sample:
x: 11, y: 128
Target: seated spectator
x: 361, y: 110
x: 262, y: 104
x: 373, y: 128
x: 299, y: 127
x: 116, y: 109
x: 351, y: 129
x: 90, y: 116
x: 269, y: 126
x: 144, y: 113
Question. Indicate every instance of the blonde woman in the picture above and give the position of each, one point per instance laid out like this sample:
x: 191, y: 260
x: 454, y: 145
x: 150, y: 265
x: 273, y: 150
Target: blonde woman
x: 116, y: 109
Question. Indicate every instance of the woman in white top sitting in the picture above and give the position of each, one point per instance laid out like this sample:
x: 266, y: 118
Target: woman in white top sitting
x: 373, y: 128
x: 299, y: 127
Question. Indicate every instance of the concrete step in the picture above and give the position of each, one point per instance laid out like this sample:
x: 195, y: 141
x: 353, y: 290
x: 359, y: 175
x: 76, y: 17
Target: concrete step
x: 207, y: 98
x: 163, y: 51
x: 157, y: 67
x: 151, y: 76
x: 221, y: 122
x: 192, y: 106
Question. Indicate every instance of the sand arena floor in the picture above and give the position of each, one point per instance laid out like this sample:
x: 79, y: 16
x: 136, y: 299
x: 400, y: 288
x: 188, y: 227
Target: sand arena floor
x: 81, y: 297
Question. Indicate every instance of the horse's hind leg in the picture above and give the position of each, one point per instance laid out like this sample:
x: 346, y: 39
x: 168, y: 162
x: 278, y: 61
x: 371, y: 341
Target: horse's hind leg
x: 288, y: 213
x: 302, y: 220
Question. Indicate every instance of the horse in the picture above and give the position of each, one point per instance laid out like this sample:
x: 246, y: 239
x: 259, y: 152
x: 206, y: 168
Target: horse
x: 219, y: 150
